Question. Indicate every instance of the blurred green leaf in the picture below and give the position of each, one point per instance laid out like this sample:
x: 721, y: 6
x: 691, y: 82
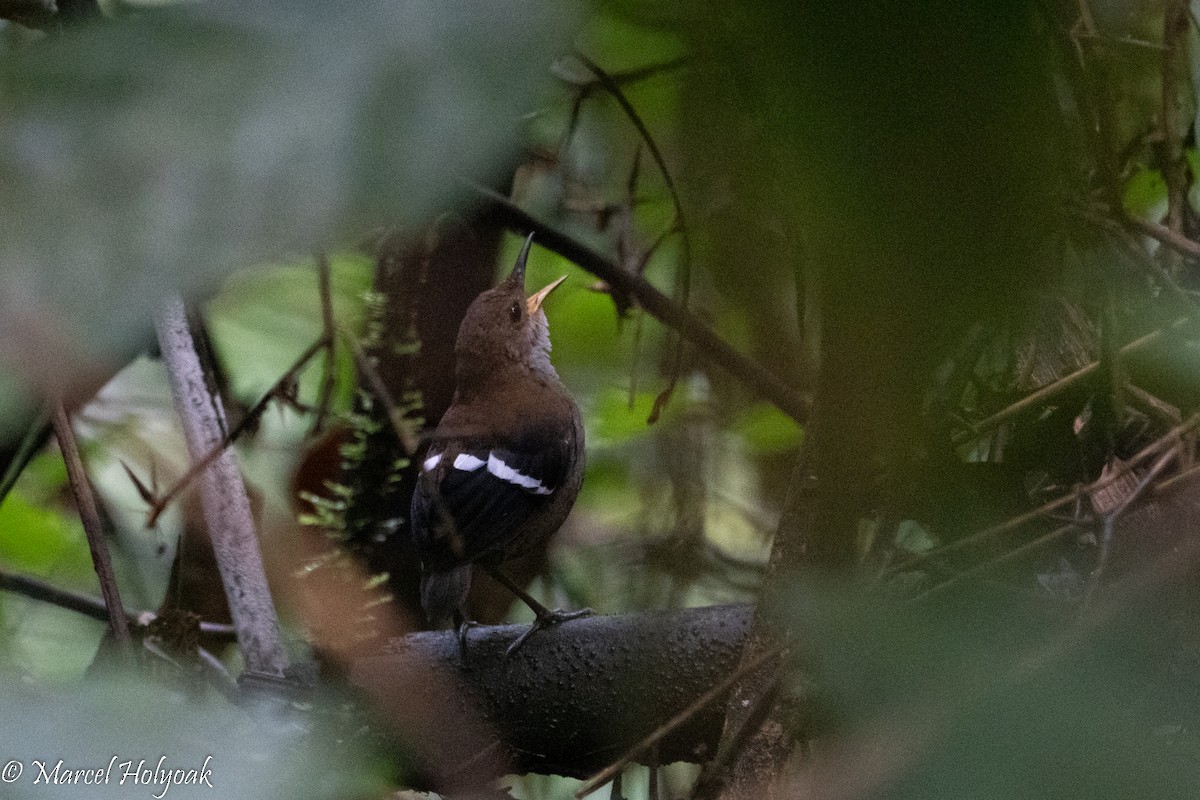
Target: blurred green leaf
x: 614, y: 419
x: 42, y: 537
x: 263, y: 319
x: 619, y: 44
x: 766, y: 429
x: 34, y: 538
x: 154, y: 153
x: 38, y: 533
x: 912, y: 538
x: 286, y: 752
x: 1146, y: 195
x: 983, y: 699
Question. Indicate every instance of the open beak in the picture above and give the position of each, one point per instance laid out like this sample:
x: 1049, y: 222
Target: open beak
x: 536, y: 299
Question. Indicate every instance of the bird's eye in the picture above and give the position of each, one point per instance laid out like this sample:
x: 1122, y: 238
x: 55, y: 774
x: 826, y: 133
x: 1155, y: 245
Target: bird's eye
x: 514, y: 313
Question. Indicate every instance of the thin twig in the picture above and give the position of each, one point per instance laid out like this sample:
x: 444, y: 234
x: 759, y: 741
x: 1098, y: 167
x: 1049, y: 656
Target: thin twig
x: 63, y: 598
x: 89, y: 514
x: 35, y: 436
x: 615, y: 90
x: 1124, y: 40
x: 157, y: 508
x: 85, y: 604
x: 699, y: 704
x: 1173, y: 239
x: 1173, y: 481
x: 1119, y: 229
x: 1144, y: 484
x: 1110, y: 519
x: 568, y: 136
x: 995, y: 562
x: 615, y: 793
x: 625, y: 77
x: 1168, y: 439
x: 715, y: 774
x: 1150, y: 264
x: 1175, y: 25
x: 707, y: 343
x: 465, y: 767
x: 1097, y: 100
x: 402, y: 427
x: 1062, y: 384
x: 680, y: 226
x: 1153, y: 403
x: 329, y: 379
x: 1086, y: 18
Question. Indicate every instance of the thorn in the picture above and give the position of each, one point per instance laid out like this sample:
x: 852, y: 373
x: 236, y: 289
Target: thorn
x: 143, y: 491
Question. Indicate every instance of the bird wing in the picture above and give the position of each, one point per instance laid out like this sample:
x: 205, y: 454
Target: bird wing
x: 472, y: 498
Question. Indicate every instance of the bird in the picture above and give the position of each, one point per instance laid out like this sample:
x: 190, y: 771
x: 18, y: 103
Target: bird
x: 506, y: 461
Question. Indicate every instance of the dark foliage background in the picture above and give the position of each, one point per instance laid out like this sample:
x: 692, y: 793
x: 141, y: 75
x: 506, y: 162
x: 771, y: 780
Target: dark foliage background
x: 954, y: 242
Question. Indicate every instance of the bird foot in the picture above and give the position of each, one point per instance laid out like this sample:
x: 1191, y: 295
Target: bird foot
x: 545, y: 621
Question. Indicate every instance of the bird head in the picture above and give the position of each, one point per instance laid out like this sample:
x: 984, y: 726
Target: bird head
x: 503, y: 329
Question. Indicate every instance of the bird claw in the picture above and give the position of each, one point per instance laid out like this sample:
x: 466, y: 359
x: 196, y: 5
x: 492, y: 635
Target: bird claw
x: 463, y: 628
x: 545, y: 621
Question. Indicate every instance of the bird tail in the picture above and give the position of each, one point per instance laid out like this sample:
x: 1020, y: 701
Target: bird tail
x: 443, y: 593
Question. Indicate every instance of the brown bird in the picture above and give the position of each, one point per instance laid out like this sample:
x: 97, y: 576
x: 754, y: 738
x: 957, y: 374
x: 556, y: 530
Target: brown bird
x: 507, y: 459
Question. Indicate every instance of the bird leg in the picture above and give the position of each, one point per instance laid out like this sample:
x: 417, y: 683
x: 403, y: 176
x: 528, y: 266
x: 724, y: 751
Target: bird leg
x: 544, y: 617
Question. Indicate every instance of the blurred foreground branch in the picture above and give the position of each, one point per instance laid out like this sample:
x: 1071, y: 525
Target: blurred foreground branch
x: 48, y: 15
x: 576, y: 697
